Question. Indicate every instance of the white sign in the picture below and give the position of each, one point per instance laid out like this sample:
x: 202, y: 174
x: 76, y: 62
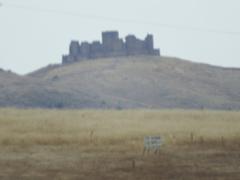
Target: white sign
x: 152, y: 142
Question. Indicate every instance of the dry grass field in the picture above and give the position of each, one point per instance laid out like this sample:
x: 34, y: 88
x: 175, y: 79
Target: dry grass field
x: 108, y: 145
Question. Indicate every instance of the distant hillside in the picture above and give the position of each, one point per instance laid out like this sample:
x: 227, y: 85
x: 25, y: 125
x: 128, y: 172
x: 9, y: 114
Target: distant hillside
x: 128, y: 82
x: 24, y: 91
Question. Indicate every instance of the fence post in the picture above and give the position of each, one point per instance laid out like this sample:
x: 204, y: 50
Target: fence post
x: 144, y: 150
x: 133, y: 164
x: 91, y: 136
x: 222, y: 141
x: 191, y: 137
x: 201, y: 140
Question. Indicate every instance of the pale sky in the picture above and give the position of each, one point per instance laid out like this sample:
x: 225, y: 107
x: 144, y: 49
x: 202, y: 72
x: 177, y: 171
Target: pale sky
x: 35, y: 33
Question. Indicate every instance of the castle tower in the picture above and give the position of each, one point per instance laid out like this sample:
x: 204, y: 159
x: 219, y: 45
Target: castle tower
x: 112, y: 45
x: 74, y: 49
x: 96, y: 50
x: 85, y: 50
x: 149, y: 43
x: 135, y: 46
x: 108, y: 39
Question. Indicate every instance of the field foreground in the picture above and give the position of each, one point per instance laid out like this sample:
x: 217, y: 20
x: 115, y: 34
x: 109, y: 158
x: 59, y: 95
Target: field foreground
x: 87, y: 144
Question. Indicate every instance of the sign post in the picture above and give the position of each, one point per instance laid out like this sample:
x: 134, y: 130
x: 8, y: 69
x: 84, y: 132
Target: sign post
x: 152, y: 143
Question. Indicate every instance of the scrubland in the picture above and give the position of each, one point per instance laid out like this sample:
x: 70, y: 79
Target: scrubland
x: 108, y: 144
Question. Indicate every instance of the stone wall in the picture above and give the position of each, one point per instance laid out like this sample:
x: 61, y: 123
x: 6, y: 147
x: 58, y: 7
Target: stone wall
x: 111, y: 46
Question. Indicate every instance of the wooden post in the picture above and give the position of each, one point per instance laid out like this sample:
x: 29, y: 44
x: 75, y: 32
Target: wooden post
x: 201, y: 140
x: 91, y: 136
x: 133, y: 164
x: 144, y: 150
x: 191, y: 138
x: 222, y: 141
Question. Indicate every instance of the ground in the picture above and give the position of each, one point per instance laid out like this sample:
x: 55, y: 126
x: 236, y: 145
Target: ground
x: 88, y: 144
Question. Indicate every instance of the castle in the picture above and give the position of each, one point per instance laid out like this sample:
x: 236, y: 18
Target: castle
x: 111, y: 46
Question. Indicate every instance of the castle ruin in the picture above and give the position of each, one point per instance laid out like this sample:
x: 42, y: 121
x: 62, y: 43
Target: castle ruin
x: 111, y: 46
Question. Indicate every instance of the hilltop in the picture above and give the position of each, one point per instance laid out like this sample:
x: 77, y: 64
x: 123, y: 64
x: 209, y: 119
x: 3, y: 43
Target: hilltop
x: 125, y: 82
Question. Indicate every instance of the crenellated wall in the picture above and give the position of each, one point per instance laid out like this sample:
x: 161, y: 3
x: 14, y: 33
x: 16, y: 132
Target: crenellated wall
x: 111, y: 46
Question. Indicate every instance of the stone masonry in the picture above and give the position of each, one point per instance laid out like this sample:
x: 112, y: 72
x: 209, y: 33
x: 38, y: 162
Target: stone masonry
x: 111, y: 46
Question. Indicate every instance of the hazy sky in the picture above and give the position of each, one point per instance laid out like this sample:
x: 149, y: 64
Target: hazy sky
x: 34, y: 33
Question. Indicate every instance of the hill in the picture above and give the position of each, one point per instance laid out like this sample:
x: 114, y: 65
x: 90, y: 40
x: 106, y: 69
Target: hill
x: 127, y: 82
x: 24, y: 91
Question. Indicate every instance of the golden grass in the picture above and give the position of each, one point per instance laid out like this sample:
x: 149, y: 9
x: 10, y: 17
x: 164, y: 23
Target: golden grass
x: 69, y: 126
x: 77, y: 144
